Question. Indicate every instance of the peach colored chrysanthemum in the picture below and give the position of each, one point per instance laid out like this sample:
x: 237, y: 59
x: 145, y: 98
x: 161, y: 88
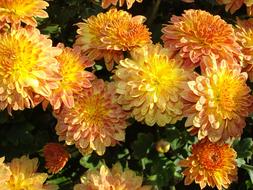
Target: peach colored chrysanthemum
x: 234, y: 5
x: 244, y: 34
x: 56, y: 157
x: 95, y: 122
x: 74, y: 78
x: 109, y: 34
x: 107, y: 3
x: 116, y: 178
x: 197, y: 33
x: 218, y: 102
x: 210, y: 164
x: 5, y: 174
x: 149, y: 85
x: 24, y: 175
x: 28, y: 69
x: 17, y: 11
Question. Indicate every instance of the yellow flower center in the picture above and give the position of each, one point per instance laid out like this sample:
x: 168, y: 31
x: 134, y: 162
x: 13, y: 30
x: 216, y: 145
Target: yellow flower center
x: 161, y: 74
x: 70, y: 66
x: 93, y: 110
x: 18, y: 57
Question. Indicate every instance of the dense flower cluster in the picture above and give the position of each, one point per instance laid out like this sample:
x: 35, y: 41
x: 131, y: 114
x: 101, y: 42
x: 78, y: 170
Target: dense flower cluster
x: 109, y: 34
x: 210, y: 164
x: 21, y: 173
x: 95, y: 122
x: 200, y: 73
x: 116, y: 178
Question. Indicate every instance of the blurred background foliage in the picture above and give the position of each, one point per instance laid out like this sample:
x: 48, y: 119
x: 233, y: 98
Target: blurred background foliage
x: 28, y: 131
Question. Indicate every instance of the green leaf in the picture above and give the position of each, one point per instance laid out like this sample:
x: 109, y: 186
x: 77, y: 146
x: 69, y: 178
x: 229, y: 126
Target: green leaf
x: 244, y: 148
x: 142, y: 145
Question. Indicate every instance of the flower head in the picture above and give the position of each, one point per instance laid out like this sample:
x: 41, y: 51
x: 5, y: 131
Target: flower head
x: 108, y: 34
x: 218, y: 102
x: 244, y: 34
x: 197, y: 33
x: 234, y: 5
x: 74, y: 77
x: 56, y: 157
x: 17, y: 11
x: 28, y: 69
x: 149, y: 84
x: 107, y: 3
x: 95, y: 122
x: 116, y: 178
x: 24, y: 175
x: 210, y: 164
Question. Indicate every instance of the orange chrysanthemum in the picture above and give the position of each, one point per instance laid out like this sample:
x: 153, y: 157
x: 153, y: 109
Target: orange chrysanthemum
x: 234, y: 5
x: 28, y: 69
x: 95, y: 122
x: 74, y: 78
x: 24, y: 176
x: 197, y: 33
x: 56, y: 157
x: 218, y: 102
x: 108, y: 34
x: 149, y: 84
x: 116, y: 178
x: 244, y: 33
x: 107, y: 3
x: 17, y: 11
x: 210, y: 164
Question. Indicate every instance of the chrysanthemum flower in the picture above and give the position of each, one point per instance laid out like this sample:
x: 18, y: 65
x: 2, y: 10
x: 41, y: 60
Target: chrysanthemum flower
x: 234, y: 5
x: 116, y: 178
x: 108, y: 34
x: 107, y: 3
x: 56, y: 157
x: 210, y: 164
x: 95, y: 122
x: 149, y: 85
x: 197, y: 33
x: 218, y: 102
x: 244, y: 33
x: 5, y: 174
x: 28, y: 69
x: 17, y: 11
x: 74, y: 78
x: 24, y: 176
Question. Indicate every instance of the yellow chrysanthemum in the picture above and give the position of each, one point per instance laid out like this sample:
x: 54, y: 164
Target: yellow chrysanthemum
x: 149, y: 85
x: 5, y: 174
x: 234, y: 5
x: 210, y: 164
x: 244, y: 34
x: 56, y: 157
x: 17, y: 11
x: 107, y: 3
x: 108, y: 34
x: 116, y: 178
x: 197, y: 33
x: 95, y: 122
x: 218, y: 102
x: 28, y: 69
x: 74, y: 78
x: 24, y: 176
